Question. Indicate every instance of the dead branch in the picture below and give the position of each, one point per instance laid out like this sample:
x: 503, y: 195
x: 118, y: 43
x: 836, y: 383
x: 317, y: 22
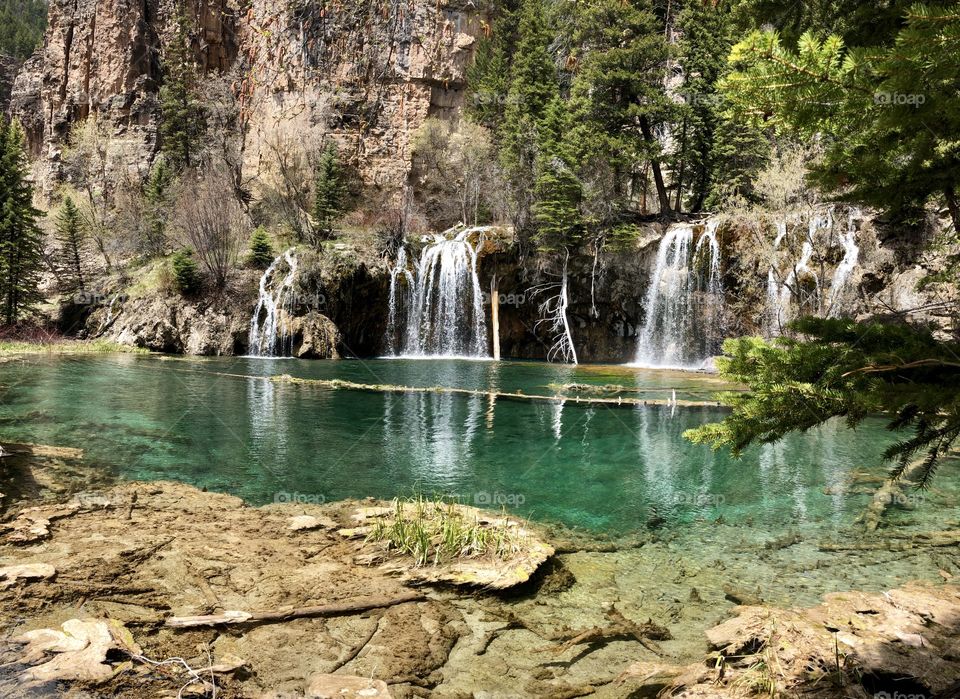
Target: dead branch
x: 324, y: 610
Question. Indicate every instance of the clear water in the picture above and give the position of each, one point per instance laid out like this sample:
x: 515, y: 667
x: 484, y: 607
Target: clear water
x: 604, y: 469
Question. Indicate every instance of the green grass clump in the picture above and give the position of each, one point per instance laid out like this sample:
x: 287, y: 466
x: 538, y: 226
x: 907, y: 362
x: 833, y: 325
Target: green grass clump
x: 440, y: 531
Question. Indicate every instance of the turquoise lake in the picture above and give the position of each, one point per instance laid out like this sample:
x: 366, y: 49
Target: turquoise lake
x: 215, y: 423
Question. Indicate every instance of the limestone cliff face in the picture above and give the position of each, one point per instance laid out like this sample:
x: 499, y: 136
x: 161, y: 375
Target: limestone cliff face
x: 367, y: 73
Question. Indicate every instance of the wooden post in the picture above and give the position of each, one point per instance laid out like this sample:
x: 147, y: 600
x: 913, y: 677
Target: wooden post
x: 495, y: 316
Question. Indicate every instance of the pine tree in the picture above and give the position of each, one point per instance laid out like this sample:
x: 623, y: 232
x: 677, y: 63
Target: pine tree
x: 70, y: 239
x: 488, y: 77
x: 843, y: 369
x: 618, y: 94
x: 328, y: 193
x: 261, y: 251
x: 181, y: 115
x: 533, y: 83
x: 156, y: 194
x: 186, y: 272
x: 889, y: 114
x: 21, y: 240
x: 559, y: 223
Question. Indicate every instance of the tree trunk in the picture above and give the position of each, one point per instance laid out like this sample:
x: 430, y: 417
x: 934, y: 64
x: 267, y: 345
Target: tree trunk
x: 655, y: 166
x: 495, y: 316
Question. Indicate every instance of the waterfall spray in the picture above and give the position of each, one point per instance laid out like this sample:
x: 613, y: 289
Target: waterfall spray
x: 268, y: 330
x: 851, y: 256
x: 444, y: 304
x: 683, y: 304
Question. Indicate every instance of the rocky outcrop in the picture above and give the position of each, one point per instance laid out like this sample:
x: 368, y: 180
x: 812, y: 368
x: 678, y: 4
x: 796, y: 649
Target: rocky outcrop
x: 367, y: 74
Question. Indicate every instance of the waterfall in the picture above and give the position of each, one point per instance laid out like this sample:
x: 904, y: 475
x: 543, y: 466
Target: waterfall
x: 444, y: 304
x: 783, y: 297
x: 397, y: 297
x: 683, y: 304
x: 774, y: 310
x: 268, y: 331
x: 851, y: 256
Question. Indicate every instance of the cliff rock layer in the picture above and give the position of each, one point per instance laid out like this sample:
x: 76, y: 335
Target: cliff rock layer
x: 366, y: 73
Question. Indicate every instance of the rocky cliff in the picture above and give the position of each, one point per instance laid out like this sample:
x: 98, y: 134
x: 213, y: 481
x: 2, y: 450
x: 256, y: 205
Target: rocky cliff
x: 366, y: 73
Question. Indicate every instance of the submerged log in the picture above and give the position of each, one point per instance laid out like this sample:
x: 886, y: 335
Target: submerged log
x: 325, y: 610
x: 339, y: 384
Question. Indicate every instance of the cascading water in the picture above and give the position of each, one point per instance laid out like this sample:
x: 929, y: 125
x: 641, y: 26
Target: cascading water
x: 683, y: 305
x: 773, y: 285
x: 851, y: 256
x: 791, y: 292
x: 443, y: 312
x: 268, y: 326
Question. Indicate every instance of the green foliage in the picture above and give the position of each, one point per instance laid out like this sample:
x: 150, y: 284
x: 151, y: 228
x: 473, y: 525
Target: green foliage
x: 438, y: 532
x: 156, y: 193
x: 21, y: 241
x: 558, y: 192
x: 22, y: 23
x: 846, y: 369
x: 261, y: 249
x: 328, y: 193
x: 488, y: 78
x: 890, y: 113
x: 186, y: 272
x: 71, y: 236
x: 182, y: 119
x: 617, y: 93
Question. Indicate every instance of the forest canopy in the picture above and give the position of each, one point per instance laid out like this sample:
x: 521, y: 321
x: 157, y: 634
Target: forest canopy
x: 22, y: 23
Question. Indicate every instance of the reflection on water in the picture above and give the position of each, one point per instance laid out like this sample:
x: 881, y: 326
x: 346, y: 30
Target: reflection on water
x: 599, y: 467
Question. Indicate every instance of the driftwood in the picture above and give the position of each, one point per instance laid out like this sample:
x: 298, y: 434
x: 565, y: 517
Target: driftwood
x: 324, y: 610
x: 619, y: 629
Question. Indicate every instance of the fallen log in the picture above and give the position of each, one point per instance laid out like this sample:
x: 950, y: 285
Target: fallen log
x: 325, y: 610
x: 339, y: 384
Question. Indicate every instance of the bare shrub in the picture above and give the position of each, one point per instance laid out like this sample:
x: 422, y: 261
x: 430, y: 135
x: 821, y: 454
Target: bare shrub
x: 213, y: 222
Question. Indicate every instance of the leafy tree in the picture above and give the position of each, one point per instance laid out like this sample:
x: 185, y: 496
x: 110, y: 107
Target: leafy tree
x: 618, y: 92
x: 890, y: 113
x: 328, y: 192
x: 21, y: 240
x: 71, y: 241
x: 558, y: 192
x: 843, y: 369
x: 22, y: 23
x: 186, y: 272
x: 181, y: 114
x: 261, y: 250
